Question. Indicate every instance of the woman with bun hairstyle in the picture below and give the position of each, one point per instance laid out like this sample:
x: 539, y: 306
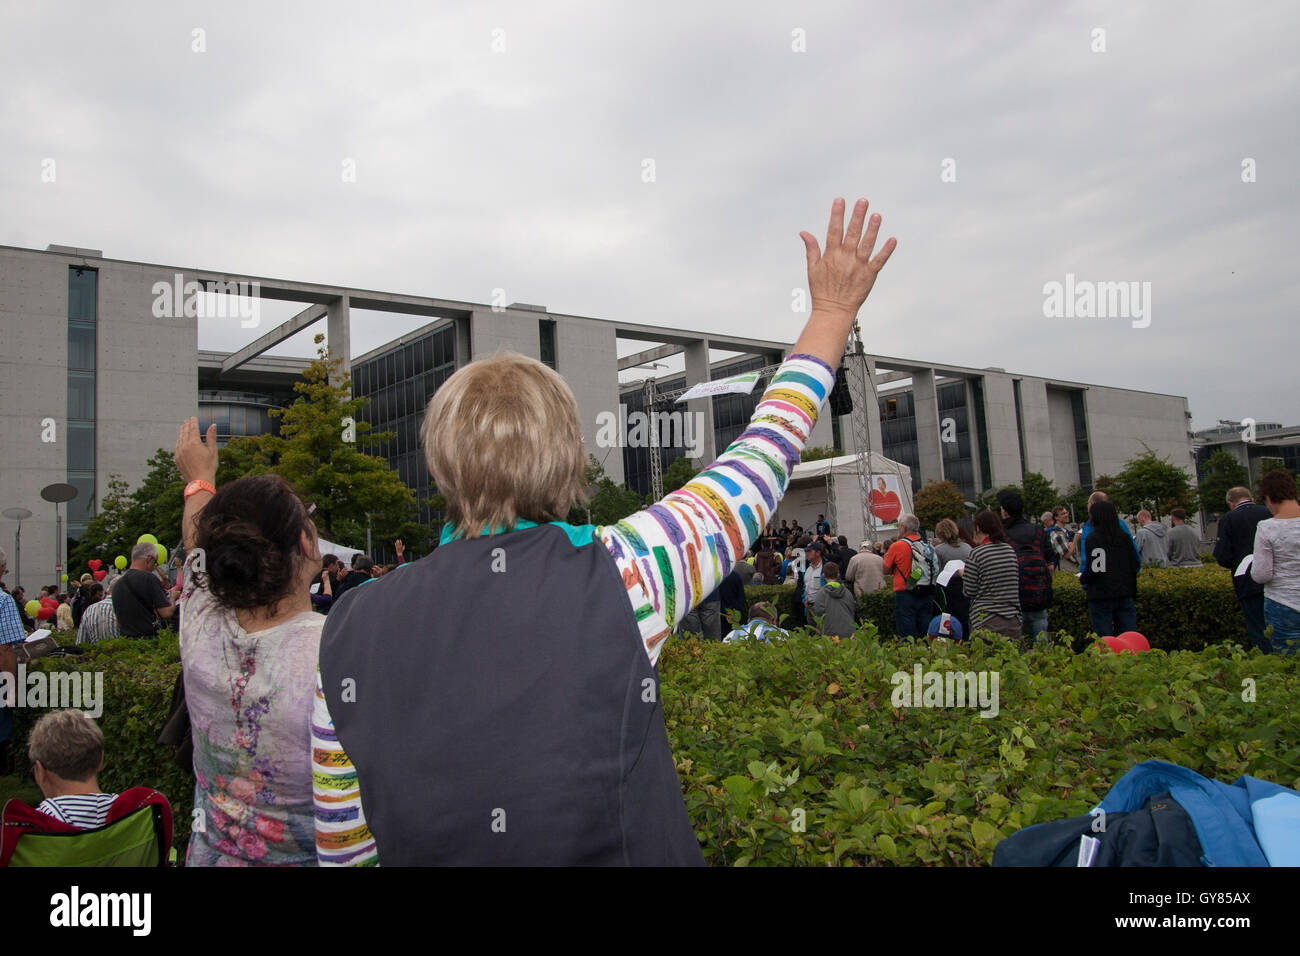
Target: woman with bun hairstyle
x: 249, y: 642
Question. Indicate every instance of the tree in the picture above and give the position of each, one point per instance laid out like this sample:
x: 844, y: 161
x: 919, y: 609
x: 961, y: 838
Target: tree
x: 1149, y: 481
x: 322, y: 450
x: 609, y: 502
x: 1222, y: 472
x: 154, y: 508
x: 1265, y: 466
x: 936, y: 501
x: 1076, y: 499
x: 1039, y: 495
x: 680, y: 472
x: 820, y: 452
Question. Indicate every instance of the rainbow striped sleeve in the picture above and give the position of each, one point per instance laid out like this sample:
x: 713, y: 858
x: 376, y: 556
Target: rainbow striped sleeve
x: 674, y: 553
x: 342, y: 837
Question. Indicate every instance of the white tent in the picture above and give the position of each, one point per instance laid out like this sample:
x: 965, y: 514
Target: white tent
x: 830, y: 487
x: 344, y: 553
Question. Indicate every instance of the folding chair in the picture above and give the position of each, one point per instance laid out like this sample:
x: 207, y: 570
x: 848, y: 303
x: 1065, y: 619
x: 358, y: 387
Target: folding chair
x: 138, y: 833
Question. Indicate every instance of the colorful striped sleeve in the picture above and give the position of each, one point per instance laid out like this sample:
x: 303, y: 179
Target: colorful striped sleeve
x: 342, y: 836
x: 674, y: 553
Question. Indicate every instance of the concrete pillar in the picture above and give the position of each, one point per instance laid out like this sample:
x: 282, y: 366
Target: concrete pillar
x: 1036, y: 421
x: 1003, y: 433
x: 339, y: 336
x: 925, y: 402
x: 701, y: 409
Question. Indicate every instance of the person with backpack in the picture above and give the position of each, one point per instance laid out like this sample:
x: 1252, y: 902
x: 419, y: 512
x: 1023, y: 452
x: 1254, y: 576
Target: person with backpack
x: 1110, y: 561
x: 914, y: 567
x: 1032, y: 547
x: 991, y: 580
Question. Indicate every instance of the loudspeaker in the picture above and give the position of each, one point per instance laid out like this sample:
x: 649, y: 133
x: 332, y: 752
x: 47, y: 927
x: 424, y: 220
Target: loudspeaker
x: 841, y: 399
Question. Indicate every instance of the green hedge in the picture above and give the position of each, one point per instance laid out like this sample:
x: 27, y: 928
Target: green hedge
x: 759, y: 731
x: 1177, y: 608
x: 762, y: 731
x: 139, y: 676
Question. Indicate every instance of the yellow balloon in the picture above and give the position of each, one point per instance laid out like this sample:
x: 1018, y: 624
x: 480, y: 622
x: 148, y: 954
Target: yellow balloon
x: 119, y: 562
x: 146, y: 537
x: 33, y: 608
x: 63, y: 577
x: 162, y: 554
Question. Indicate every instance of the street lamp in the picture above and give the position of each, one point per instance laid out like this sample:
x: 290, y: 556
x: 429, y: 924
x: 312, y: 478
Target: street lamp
x: 20, y: 515
x: 57, y: 493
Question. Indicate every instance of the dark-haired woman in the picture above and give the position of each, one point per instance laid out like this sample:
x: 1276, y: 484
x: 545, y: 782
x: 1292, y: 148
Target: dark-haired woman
x: 1276, y: 564
x: 249, y: 644
x: 991, y: 579
x: 1109, y: 564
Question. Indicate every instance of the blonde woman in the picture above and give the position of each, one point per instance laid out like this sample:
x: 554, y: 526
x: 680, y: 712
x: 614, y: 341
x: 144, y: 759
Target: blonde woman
x: 497, y: 701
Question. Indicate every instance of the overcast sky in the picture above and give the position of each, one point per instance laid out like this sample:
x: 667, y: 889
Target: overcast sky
x: 522, y: 168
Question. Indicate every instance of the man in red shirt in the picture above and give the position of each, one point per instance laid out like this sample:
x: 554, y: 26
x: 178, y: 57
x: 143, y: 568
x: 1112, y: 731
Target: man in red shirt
x: 911, y: 607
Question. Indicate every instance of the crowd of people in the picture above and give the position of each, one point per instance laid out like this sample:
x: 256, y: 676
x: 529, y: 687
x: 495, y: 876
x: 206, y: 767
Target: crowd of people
x: 459, y: 708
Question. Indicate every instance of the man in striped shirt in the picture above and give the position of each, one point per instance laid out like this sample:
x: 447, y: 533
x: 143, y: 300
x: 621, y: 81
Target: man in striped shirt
x: 66, y: 750
x: 99, y: 620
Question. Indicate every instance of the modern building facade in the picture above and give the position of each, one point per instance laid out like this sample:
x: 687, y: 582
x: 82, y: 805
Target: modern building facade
x: 100, y: 362
x: 1253, y: 444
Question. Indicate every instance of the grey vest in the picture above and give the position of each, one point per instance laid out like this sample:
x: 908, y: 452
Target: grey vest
x: 505, y: 717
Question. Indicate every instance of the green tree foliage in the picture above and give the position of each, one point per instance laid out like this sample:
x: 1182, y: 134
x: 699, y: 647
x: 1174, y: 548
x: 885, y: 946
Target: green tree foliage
x: 1039, y: 495
x: 936, y: 501
x: 1222, y: 472
x: 345, y: 482
x: 154, y: 508
x: 820, y: 452
x: 1076, y: 499
x: 1263, y: 468
x: 1149, y: 481
x: 608, y: 502
x: 680, y: 472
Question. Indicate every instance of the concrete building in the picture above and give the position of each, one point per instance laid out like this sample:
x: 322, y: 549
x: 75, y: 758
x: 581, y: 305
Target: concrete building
x: 1251, y: 443
x: 100, y: 362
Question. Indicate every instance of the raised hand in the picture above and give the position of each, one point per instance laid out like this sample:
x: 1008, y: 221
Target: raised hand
x: 841, y: 277
x: 196, y: 460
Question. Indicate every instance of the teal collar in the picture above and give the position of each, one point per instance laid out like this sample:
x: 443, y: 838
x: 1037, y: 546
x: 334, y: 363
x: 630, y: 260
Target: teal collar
x: 579, y: 535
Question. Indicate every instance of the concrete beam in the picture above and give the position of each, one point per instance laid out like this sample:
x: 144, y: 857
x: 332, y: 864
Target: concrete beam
x: 283, y: 331
x: 697, y: 370
x: 925, y: 403
x: 648, y: 355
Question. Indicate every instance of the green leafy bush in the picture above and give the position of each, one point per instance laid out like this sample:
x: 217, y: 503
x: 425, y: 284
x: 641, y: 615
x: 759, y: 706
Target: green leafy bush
x: 1177, y: 608
x: 768, y: 737
x: 139, y: 676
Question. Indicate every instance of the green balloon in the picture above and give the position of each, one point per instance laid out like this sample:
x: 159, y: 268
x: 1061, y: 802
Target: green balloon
x: 33, y: 608
x: 162, y: 554
x: 63, y: 577
x: 146, y: 537
x: 119, y: 562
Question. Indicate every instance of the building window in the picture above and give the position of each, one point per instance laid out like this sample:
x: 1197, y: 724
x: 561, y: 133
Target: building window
x: 82, y: 297
x: 546, y: 329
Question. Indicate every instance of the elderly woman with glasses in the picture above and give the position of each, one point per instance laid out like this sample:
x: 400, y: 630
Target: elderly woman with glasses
x: 249, y: 642
x: 497, y: 701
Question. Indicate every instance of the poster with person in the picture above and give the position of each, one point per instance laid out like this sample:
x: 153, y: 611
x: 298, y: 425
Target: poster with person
x: 885, y: 502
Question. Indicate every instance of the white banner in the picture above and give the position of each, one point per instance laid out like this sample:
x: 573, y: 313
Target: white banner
x: 736, y: 385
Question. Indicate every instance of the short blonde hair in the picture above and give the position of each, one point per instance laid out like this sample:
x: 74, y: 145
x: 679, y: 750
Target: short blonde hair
x: 68, y: 744
x: 946, y: 531
x: 503, y: 441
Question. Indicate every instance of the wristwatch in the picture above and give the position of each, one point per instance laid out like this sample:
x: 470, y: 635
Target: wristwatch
x: 194, y: 487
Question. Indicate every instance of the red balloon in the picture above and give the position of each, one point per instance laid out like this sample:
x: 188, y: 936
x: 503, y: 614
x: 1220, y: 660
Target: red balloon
x: 48, y: 601
x: 95, y: 564
x: 100, y: 574
x: 46, y: 612
x: 1134, y: 641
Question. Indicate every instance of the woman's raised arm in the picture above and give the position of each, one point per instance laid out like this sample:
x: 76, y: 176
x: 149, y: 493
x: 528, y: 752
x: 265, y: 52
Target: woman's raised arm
x: 674, y: 553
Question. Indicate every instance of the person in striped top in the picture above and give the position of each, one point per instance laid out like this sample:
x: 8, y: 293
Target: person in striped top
x: 991, y: 579
x: 66, y: 751
x: 516, y: 705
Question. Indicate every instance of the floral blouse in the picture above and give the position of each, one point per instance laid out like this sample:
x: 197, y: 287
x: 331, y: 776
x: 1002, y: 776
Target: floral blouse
x: 250, y: 699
